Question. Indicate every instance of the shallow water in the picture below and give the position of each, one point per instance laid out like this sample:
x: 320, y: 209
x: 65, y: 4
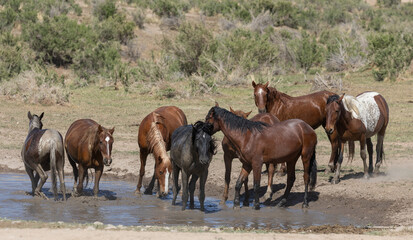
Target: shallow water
x: 116, y: 204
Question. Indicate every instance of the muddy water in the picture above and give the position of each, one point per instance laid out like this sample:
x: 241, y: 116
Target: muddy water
x: 116, y: 204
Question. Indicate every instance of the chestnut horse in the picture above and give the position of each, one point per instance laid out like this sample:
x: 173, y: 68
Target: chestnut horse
x: 309, y: 108
x: 358, y: 119
x: 230, y: 153
x: 89, y: 145
x: 154, y: 136
x: 43, y: 151
x: 257, y: 143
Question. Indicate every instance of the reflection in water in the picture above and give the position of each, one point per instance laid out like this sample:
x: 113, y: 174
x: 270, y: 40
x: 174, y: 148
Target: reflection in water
x: 117, y: 204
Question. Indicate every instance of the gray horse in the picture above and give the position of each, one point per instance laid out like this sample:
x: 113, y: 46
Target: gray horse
x: 43, y: 150
x: 191, y: 152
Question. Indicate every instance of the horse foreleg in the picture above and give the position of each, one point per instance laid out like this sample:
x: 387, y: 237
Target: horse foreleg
x: 202, y: 182
x: 79, y: 187
x: 370, y: 152
x: 379, y: 152
x: 98, y: 174
x: 142, y: 156
x: 290, y: 182
x: 185, y: 178
x: 228, y: 167
x: 194, y: 178
x: 175, y: 188
x: 336, y: 178
x: 246, y: 202
x: 363, y: 155
x: 256, y: 170
x: 334, y: 152
x: 246, y: 169
x: 271, y: 170
x: 149, y: 189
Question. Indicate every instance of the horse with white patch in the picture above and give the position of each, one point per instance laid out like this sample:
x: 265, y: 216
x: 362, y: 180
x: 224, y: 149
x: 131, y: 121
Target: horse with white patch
x: 358, y: 119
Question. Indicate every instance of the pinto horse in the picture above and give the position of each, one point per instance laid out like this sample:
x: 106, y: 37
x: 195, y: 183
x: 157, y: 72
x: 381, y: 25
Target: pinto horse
x: 43, y: 151
x: 89, y: 145
x: 154, y: 136
x: 191, y: 153
x: 230, y: 153
x: 310, y: 108
x: 257, y: 143
x: 358, y: 119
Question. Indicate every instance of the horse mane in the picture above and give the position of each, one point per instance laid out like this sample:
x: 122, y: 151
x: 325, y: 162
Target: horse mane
x: 272, y: 92
x: 333, y: 98
x: 91, y: 137
x: 155, y: 140
x: 236, y: 122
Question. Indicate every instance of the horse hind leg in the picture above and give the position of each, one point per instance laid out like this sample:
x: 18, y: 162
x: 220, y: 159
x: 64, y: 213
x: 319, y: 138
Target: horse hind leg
x: 370, y: 152
x: 43, y: 177
x: 75, y: 172
x: 34, y: 180
x: 175, y: 177
x: 192, y: 186
x: 379, y: 152
x: 271, y: 171
x: 202, y: 182
x: 290, y: 183
x: 228, y: 166
x: 142, y: 156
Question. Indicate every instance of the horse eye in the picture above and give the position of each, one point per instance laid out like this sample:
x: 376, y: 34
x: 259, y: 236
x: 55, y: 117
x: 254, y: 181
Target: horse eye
x: 161, y: 172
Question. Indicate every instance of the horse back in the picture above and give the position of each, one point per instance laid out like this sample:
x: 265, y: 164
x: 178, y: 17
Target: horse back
x: 75, y: 140
x: 38, y: 145
x: 181, y: 146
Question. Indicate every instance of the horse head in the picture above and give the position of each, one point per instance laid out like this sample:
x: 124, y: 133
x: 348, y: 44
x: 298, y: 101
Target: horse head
x: 240, y: 113
x: 333, y: 112
x: 35, y: 121
x: 261, y: 96
x: 105, y: 144
x: 204, y: 143
x: 212, y: 120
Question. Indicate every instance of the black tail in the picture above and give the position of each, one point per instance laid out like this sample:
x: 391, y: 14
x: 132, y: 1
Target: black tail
x: 313, y: 171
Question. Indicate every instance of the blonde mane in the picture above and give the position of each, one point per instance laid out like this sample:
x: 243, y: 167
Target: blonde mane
x: 155, y: 141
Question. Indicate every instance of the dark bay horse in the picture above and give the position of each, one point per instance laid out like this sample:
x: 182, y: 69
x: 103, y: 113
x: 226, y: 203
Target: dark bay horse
x: 258, y: 143
x: 154, y: 136
x: 43, y: 151
x: 230, y: 153
x: 358, y: 119
x: 89, y: 145
x: 310, y: 108
x: 191, y: 153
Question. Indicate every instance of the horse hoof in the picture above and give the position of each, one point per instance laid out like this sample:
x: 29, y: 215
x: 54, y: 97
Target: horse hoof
x: 281, y: 174
x: 183, y: 208
x: 282, y: 203
x: 335, y: 181
x: 148, y: 192
x: 41, y: 194
x: 257, y: 207
x: 366, y: 176
x: 305, y: 205
x: 222, y: 202
x: 327, y: 171
x: 246, y: 204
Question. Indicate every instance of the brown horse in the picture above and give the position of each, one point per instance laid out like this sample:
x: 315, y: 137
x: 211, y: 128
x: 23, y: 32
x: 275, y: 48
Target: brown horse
x: 89, y: 145
x: 230, y: 153
x: 154, y: 136
x: 310, y: 108
x: 257, y: 143
x: 358, y: 119
x: 43, y: 150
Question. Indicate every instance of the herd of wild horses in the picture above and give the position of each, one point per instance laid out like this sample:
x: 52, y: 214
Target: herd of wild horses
x: 282, y: 132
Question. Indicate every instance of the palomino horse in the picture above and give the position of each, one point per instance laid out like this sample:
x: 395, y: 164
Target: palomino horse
x: 89, y: 145
x: 154, y: 136
x: 230, y: 153
x: 358, y: 119
x: 43, y: 150
x: 309, y: 108
x: 257, y: 143
x: 191, y: 152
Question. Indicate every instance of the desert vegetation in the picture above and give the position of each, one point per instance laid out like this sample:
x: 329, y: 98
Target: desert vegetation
x: 62, y: 45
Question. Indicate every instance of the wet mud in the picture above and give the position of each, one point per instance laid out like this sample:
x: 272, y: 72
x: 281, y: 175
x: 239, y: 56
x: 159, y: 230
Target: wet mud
x: 117, y: 205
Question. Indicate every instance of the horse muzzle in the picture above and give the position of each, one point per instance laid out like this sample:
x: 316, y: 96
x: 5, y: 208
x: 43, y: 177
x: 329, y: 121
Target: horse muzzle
x: 329, y: 131
x: 262, y: 110
x: 107, y: 161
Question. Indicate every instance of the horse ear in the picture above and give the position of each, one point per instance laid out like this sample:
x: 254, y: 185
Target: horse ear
x: 100, y: 129
x: 29, y: 115
x: 111, y: 130
x: 248, y: 113
x: 216, y: 104
x: 41, y: 116
x: 266, y: 85
x: 232, y: 110
x: 253, y: 84
x: 341, y: 98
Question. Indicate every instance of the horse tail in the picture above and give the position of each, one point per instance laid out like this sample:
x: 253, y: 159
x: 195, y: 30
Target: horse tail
x: 53, y: 168
x: 313, y: 170
x: 350, y: 151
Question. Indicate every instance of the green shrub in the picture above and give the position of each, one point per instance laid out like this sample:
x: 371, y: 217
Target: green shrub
x: 307, y: 51
x: 229, y: 8
x: 192, y: 41
x: 388, y: 3
x: 169, y: 8
x: 105, y: 10
x: 391, y: 54
x: 285, y: 14
x: 116, y: 28
x: 58, y: 39
x: 7, y: 18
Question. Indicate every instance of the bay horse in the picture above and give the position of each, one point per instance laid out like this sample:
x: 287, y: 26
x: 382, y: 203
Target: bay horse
x: 89, y: 145
x: 358, y: 119
x: 43, y: 151
x: 310, y: 108
x: 154, y: 136
x: 257, y: 143
x: 191, y: 153
x: 230, y: 153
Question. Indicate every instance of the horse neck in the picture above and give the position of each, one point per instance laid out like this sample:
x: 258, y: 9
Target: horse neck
x: 344, y: 119
x: 275, y: 105
x: 231, y: 135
